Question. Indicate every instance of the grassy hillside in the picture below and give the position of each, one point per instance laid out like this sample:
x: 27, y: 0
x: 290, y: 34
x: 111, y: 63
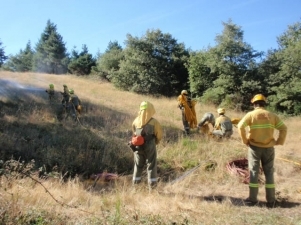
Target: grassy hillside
x: 67, y: 153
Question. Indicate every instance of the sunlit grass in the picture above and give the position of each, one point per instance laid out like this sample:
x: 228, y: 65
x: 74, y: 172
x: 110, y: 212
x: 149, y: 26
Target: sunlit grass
x: 82, y: 201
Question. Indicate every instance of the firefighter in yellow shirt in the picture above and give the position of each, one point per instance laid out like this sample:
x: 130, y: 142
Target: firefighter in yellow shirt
x: 50, y: 92
x: 223, y: 125
x: 148, y: 155
x: 187, y: 106
x: 203, y: 126
x: 260, y: 141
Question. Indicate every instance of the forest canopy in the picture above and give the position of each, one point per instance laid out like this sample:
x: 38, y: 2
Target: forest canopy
x: 227, y: 74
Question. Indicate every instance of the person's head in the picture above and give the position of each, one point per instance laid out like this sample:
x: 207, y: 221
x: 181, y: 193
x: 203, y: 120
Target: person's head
x: 143, y: 105
x: 51, y: 85
x: 71, y: 91
x: 184, y: 92
x: 258, y: 100
x: 147, y: 107
x: 221, y: 111
x: 64, y: 85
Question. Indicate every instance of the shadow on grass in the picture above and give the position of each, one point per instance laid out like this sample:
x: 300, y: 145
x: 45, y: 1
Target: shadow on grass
x: 32, y: 127
x: 241, y: 202
x: 235, y: 201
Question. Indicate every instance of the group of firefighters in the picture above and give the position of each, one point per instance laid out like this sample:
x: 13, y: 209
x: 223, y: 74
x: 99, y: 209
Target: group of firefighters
x: 222, y: 125
x: 70, y: 102
x: 259, y: 139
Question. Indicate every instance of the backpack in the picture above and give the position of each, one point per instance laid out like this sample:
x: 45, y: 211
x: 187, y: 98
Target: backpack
x: 138, y: 139
x: 141, y: 136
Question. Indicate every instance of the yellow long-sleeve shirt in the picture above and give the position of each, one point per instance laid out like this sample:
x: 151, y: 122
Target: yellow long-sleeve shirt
x: 189, y: 110
x: 145, y: 117
x: 261, y: 125
x: 222, y: 119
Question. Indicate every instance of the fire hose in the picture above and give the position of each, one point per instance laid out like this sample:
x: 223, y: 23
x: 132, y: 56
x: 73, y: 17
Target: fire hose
x: 296, y: 163
x: 239, y: 167
x: 299, y: 164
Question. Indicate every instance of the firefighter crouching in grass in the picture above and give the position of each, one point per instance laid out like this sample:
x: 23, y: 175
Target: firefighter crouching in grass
x: 74, y: 104
x: 148, y: 154
x: 260, y: 141
x: 203, y: 126
x: 187, y: 107
x: 223, y: 125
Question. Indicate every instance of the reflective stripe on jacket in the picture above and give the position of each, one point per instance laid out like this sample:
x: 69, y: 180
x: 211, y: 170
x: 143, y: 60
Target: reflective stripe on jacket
x: 261, y: 125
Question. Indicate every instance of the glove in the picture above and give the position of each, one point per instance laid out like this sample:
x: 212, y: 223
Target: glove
x: 181, y: 107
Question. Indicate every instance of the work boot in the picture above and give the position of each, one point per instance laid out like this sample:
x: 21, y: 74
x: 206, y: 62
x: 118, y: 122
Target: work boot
x: 273, y: 204
x: 253, y: 193
x: 270, y: 194
x: 248, y: 202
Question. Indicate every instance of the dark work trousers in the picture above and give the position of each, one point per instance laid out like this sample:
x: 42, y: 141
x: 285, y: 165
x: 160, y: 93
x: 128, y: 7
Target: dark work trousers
x: 266, y: 156
x: 148, y: 157
x: 185, y: 122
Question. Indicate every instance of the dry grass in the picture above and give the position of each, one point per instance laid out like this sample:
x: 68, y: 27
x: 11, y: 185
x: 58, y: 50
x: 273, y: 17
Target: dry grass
x: 203, y: 197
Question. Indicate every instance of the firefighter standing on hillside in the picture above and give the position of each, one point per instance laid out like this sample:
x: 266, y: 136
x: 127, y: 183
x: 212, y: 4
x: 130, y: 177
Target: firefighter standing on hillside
x: 208, y: 118
x: 260, y: 141
x: 50, y: 91
x: 223, y: 125
x: 66, y: 96
x: 148, y: 155
x: 74, y: 104
x: 187, y: 107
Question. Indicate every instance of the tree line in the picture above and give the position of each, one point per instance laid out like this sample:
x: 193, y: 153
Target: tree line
x: 227, y: 74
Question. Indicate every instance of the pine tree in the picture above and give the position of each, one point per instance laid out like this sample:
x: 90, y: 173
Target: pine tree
x: 81, y: 63
x: 152, y: 64
x: 226, y: 74
x: 108, y: 62
x: 21, y: 62
x: 3, y: 57
x: 51, y: 54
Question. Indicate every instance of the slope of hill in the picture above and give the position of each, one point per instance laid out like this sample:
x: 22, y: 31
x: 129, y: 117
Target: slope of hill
x: 68, y: 152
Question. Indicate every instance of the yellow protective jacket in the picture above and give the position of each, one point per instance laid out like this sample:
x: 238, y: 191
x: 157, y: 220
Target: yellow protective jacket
x: 261, y: 125
x: 219, y: 120
x: 189, y: 110
x: 144, y: 117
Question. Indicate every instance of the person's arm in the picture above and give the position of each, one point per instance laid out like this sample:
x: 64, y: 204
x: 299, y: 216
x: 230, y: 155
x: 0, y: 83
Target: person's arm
x: 158, y: 132
x: 201, y: 123
x: 134, y: 127
x: 282, y: 132
x: 180, y: 102
x: 241, y: 127
x: 217, y: 124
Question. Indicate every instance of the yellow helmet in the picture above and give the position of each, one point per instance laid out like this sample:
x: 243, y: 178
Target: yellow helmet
x: 258, y: 97
x: 143, y: 105
x: 184, y: 92
x: 51, y: 85
x: 71, y: 91
x: 221, y: 110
